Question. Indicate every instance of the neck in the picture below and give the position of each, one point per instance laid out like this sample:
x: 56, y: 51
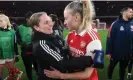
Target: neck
x: 79, y: 30
x: 42, y: 36
x: 125, y: 18
x: 3, y: 27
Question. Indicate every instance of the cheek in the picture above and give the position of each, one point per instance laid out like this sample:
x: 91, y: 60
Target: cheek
x: 3, y: 24
x: 70, y: 22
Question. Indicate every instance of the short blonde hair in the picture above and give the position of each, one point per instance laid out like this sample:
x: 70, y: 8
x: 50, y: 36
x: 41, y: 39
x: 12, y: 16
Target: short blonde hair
x: 86, y: 9
x: 7, y: 20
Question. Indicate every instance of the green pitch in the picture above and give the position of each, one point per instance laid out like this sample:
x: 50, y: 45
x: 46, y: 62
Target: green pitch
x: 102, y: 73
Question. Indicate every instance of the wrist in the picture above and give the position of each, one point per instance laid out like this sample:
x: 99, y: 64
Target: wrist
x: 62, y: 76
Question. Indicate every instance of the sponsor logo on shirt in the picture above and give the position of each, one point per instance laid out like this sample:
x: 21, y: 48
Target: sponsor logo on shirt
x: 76, y: 52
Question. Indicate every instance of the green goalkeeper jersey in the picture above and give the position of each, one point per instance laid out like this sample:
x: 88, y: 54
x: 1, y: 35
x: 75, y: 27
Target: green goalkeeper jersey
x: 25, y: 33
x: 7, y: 44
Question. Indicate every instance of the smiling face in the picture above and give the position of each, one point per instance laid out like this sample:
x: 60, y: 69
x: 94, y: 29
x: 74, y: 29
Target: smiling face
x: 45, y: 24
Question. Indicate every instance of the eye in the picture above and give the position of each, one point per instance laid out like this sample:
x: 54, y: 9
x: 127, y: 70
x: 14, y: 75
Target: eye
x: 65, y: 18
x: 46, y: 22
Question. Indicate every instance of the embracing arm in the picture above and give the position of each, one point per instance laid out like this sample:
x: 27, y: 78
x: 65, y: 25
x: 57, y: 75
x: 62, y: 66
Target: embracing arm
x: 78, y: 75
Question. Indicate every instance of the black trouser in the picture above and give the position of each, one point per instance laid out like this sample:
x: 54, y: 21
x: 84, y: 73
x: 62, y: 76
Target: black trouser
x: 28, y: 60
x: 122, y: 67
x: 1, y: 78
x: 130, y: 64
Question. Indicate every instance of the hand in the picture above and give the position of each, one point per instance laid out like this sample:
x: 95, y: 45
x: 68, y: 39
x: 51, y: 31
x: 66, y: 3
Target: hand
x: 16, y: 58
x: 53, y: 74
x: 108, y: 56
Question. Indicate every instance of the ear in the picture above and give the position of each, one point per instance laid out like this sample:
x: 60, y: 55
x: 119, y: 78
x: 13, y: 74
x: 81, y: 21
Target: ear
x: 36, y: 28
x: 77, y: 16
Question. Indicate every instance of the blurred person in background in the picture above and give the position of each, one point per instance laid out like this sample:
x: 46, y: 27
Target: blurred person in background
x: 24, y: 39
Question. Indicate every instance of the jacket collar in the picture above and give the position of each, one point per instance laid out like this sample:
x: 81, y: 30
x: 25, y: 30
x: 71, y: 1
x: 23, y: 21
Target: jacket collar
x: 2, y: 29
x: 41, y: 36
x: 122, y: 20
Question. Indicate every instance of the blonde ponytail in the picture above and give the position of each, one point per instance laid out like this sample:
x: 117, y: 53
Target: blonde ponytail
x: 88, y: 15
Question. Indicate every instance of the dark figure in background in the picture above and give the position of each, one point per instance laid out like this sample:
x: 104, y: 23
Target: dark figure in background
x: 119, y: 42
x: 58, y: 25
x: 130, y: 64
x: 14, y: 25
x: 24, y: 39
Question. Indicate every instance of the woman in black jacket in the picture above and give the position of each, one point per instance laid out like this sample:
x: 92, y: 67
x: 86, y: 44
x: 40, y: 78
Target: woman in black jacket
x: 50, y: 50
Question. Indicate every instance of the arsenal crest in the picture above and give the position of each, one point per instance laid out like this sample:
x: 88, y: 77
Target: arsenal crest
x: 71, y: 41
x: 82, y: 44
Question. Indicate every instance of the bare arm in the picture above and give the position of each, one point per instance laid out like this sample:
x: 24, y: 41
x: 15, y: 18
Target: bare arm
x: 78, y: 75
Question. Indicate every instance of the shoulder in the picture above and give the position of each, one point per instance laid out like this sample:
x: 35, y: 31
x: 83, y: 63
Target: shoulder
x: 41, y: 44
x: 71, y: 33
x: 116, y: 22
x: 92, y: 35
x: 12, y: 31
x: 21, y: 26
x: 37, y: 45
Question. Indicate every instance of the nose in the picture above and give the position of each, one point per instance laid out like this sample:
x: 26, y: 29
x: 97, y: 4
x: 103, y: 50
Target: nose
x: 64, y: 22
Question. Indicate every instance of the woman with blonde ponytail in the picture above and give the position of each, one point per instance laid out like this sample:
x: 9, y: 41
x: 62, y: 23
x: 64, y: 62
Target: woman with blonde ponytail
x: 82, y: 40
x: 8, y: 49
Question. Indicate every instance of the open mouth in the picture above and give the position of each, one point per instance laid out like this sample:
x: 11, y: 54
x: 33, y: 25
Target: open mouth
x: 65, y: 25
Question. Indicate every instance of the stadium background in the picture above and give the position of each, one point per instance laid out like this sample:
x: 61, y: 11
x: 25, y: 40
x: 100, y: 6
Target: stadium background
x: 106, y: 11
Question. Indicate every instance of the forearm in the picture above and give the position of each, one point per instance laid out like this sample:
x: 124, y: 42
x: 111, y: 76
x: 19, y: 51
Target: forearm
x: 78, y: 75
x: 78, y: 63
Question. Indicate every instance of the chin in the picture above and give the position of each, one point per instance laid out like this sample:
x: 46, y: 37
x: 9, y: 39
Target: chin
x: 50, y: 33
x: 69, y: 28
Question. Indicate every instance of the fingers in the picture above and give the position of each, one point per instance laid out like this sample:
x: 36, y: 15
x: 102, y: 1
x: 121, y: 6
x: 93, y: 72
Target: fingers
x: 46, y: 71
x: 48, y: 74
x: 53, y: 68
